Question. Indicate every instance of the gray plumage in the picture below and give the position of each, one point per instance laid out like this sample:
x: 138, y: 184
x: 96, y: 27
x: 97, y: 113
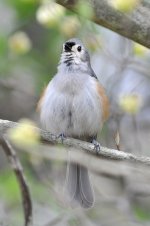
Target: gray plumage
x: 71, y: 105
x: 78, y: 188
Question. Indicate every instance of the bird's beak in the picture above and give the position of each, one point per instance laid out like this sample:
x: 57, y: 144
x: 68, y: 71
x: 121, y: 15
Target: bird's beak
x: 67, y: 48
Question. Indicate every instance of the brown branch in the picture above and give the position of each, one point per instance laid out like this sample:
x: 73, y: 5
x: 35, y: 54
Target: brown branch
x: 18, y: 170
x: 134, y: 25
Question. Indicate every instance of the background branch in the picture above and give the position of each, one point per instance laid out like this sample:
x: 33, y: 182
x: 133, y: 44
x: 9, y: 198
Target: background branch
x: 129, y: 172
x: 18, y: 170
x: 134, y: 25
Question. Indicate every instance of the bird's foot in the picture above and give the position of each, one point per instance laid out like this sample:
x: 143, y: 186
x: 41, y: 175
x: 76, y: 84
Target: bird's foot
x: 97, y: 146
x: 62, y: 137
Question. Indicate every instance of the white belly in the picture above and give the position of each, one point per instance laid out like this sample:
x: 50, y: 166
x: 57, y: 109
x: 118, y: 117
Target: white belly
x: 74, y: 114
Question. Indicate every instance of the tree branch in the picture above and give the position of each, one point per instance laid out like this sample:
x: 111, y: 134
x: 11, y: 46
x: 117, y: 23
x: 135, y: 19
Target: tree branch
x: 134, y: 25
x: 47, y: 137
x: 18, y: 170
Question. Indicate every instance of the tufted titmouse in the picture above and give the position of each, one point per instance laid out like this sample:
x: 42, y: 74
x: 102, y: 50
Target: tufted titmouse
x: 74, y: 104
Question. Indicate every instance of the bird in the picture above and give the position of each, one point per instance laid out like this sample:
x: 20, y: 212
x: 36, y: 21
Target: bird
x: 75, y: 104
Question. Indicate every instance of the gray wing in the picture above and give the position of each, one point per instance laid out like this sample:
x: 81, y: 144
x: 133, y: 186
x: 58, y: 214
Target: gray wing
x: 92, y: 74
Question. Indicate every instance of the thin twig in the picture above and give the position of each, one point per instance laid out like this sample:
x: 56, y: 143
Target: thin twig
x: 18, y: 170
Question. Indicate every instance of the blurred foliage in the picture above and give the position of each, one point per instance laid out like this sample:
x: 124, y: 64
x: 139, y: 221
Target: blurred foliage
x: 126, y: 6
x: 130, y: 103
x: 25, y: 135
x: 140, y: 50
x: 10, y: 191
x: 38, y: 30
x: 9, y: 188
x: 141, y: 214
x: 85, y: 9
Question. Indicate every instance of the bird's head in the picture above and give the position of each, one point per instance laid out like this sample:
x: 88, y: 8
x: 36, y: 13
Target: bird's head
x: 74, y: 54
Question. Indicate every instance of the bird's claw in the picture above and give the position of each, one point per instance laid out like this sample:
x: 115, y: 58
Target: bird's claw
x: 97, y: 146
x: 62, y: 137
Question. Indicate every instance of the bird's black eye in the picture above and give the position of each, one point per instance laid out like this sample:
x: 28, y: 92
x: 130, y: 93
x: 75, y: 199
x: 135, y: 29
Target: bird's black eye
x: 79, y: 48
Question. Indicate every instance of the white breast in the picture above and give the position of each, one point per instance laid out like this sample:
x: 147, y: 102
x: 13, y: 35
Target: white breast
x: 72, y: 106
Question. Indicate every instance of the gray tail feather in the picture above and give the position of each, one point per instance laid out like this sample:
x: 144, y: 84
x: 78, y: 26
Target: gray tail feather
x: 78, y: 185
